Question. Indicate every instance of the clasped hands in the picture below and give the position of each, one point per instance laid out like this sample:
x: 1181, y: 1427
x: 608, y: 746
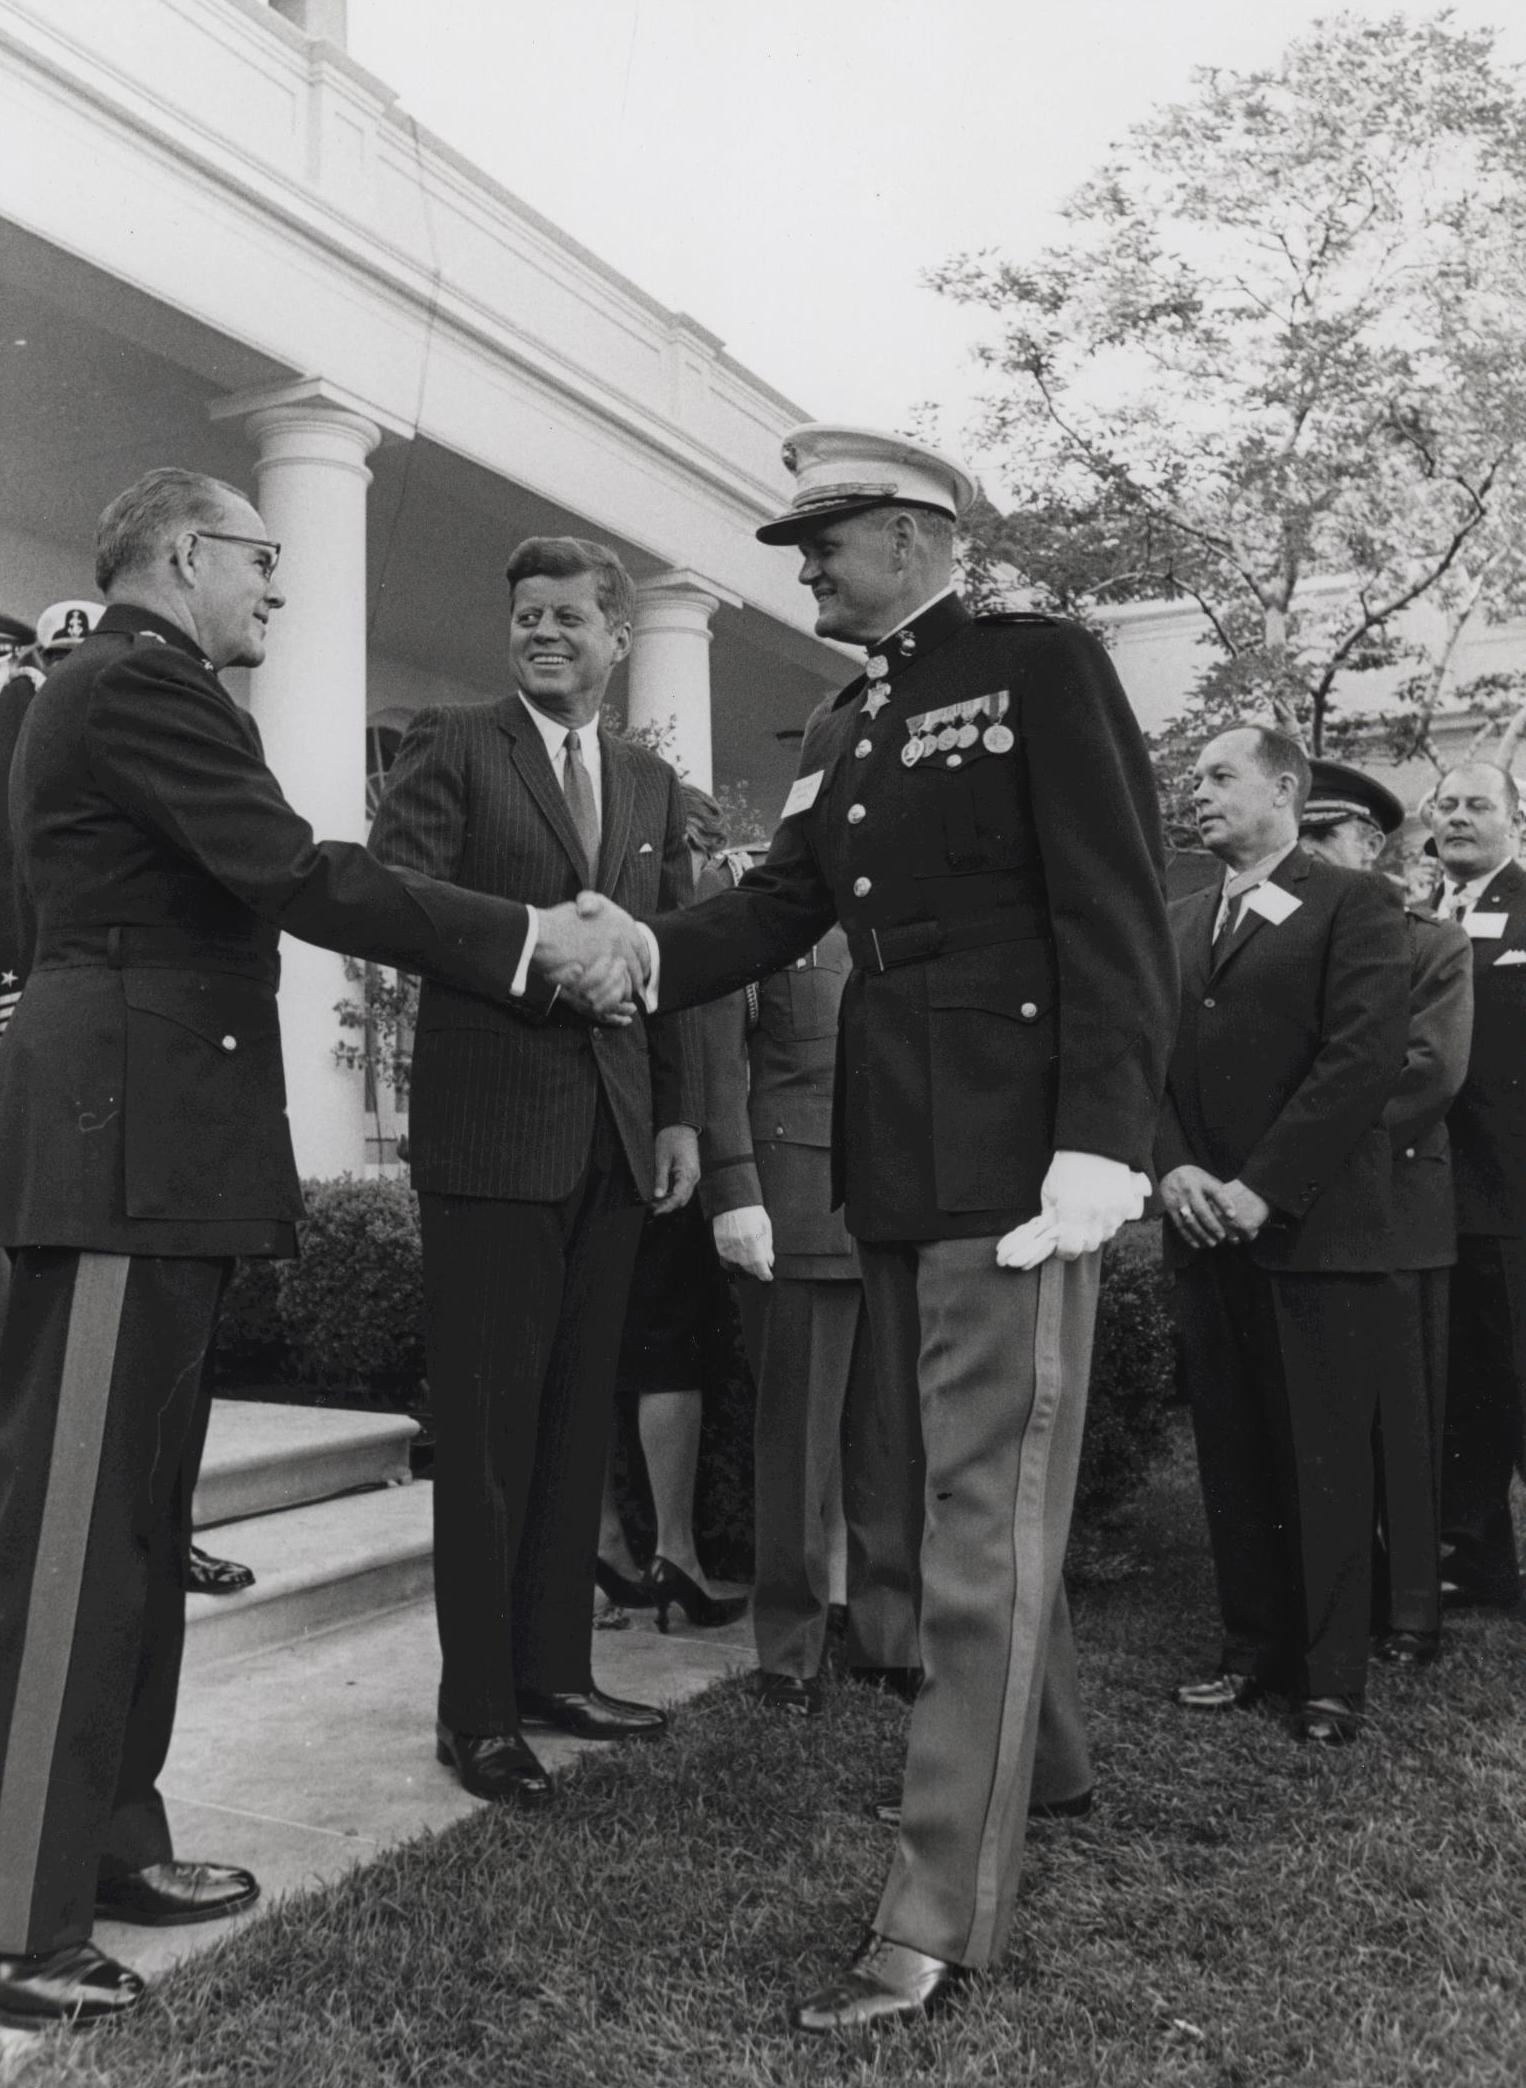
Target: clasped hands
x: 594, y: 951
x: 1207, y: 1212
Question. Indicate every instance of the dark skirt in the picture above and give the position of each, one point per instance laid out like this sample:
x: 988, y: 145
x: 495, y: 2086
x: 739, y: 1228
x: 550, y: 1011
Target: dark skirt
x: 676, y: 1322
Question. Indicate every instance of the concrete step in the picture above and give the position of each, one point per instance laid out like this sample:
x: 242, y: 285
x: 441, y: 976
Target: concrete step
x: 261, y: 1457
x: 317, y: 1566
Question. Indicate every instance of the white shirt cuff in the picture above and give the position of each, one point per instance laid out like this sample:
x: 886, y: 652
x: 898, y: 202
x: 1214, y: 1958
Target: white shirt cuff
x: 521, y: 978
x: 654, y: 966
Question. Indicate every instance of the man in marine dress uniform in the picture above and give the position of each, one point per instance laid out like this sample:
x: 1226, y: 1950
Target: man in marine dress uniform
x: 1475, y: 822
x: 1275, y: 1171
x: 1346, y: 821
x: 142, y: 1118
x: 977, y: 810
x: 820, y: 1427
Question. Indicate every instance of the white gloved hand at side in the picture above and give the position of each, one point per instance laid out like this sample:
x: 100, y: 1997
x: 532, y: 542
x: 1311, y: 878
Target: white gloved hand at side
x: 744, y: 1238
x: 1085, y: 1198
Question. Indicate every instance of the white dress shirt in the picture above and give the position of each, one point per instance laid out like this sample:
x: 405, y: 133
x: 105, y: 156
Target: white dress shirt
x: 554, y: 732
x: 1469, y: 894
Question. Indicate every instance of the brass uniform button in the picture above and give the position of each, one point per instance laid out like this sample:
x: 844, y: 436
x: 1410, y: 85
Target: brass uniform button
x: 864, y: 747
x: 230, y: 1043
x: 862, y: 887
x: 855, y: 814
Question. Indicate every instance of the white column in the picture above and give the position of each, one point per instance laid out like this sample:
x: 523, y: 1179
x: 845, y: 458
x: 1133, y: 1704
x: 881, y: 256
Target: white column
x: 309, y: 700
x: 670, y: 666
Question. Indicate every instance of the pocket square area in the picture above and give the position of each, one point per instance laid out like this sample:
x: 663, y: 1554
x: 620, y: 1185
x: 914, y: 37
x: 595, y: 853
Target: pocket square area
x: 1510, y: 957
x: 645, y: 848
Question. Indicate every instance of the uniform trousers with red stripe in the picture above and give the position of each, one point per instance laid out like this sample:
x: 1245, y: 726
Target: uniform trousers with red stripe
x: 103, y: 1395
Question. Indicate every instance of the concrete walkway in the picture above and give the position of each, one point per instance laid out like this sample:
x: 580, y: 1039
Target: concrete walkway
x: 304, y: 1760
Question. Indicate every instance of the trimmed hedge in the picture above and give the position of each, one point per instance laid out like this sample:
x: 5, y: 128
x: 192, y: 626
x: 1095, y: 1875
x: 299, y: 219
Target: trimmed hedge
x: 348, y: 1316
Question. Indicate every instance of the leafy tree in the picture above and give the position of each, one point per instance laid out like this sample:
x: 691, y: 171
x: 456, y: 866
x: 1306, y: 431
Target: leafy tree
x: 1283, y: 342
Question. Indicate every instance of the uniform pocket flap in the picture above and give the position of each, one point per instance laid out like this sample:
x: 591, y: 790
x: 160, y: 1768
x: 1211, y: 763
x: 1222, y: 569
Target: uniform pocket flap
x: 226, y: 1012
x: 1015, y: 979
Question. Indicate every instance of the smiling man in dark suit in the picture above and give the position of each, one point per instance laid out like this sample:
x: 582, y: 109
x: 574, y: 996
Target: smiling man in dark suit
x: 1475, y: 820
x: 533, y: 1152
x: 1275, y: 1173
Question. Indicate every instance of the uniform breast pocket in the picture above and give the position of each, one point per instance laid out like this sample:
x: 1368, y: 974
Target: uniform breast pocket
x: 204, y: 1103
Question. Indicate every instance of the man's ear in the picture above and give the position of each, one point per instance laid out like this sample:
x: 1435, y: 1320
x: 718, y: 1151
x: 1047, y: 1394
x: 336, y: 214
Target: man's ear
x: 622, y: 641
x: 183, y: 555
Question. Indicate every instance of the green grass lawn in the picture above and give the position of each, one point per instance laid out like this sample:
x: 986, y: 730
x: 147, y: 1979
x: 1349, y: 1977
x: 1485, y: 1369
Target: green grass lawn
x: 1236, y: 1913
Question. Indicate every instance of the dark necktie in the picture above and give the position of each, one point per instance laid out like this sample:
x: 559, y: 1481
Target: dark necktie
x: 1460, y: 905
x: 578, y: 788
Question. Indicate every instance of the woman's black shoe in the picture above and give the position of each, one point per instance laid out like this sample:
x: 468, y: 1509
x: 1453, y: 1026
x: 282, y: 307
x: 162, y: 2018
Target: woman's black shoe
x: 630, y: 1594
x: 669, y: 1584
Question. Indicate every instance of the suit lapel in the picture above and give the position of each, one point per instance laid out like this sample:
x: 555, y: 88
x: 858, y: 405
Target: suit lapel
x: 619, y: 801
x: 532, y: 761
x: 1197, y: 938
x: 1289, y: 873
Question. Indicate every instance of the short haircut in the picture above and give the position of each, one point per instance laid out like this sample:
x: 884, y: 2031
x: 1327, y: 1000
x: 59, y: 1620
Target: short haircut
x: 141, y: 522
x: 1512, y: 787
x: 1279, y: 754
x: 936, y: 527
x: 563, y: 558
x: 705, y: 821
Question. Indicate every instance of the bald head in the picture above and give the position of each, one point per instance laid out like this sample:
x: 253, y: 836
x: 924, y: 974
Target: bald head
x: 1474, y: 818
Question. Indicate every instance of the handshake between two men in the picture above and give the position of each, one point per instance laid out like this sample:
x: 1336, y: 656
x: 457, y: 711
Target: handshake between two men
x: 596, y: 953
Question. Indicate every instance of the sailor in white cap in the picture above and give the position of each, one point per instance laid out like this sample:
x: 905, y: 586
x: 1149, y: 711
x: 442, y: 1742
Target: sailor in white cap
x: 977, y: 810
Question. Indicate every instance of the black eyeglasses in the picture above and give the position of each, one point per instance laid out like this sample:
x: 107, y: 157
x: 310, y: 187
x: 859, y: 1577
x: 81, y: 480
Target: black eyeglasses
x: 271, y: 553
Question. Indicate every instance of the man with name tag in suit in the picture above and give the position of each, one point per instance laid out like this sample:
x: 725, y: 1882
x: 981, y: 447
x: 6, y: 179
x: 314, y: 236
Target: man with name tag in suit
x: 770, y: 1055
x: 1475, y: 823
x: 1275, y: 1174
x: 143, y: 1124
x: 977, y: 811
x: 533, y: 1152
x: 1347, y: 821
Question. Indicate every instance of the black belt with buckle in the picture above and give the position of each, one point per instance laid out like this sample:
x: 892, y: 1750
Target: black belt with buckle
x: 909, y: 942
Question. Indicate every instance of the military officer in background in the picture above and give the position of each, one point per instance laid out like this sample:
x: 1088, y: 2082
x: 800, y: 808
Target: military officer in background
x: 824, y: 1445
x: 1346, y: 821
x: 977, y: 811
x: 143, y: 1126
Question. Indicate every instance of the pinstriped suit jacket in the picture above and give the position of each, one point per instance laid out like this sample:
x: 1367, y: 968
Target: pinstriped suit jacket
x: 501, y: 1106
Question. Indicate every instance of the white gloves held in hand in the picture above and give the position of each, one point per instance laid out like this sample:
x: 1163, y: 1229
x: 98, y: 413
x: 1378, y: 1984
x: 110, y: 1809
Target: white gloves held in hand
x: 1084, y: 1200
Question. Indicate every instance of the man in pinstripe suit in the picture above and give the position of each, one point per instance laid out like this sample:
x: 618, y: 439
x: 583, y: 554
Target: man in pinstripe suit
x: 534, y: 1155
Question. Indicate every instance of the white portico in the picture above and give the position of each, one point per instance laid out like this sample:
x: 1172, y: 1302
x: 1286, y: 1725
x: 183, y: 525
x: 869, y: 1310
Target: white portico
x: 224, y: 244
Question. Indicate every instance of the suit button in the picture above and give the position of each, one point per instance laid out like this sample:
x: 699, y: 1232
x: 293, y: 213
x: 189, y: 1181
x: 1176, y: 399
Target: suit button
x: 1208, y: 1000
x: 778, y: 1130
x: 855, y: 814
x: 230, y: 1043
x: 864, y: 747
x: 1409, y: 1152
x: 862, y: 887
x: 1029, y: 1010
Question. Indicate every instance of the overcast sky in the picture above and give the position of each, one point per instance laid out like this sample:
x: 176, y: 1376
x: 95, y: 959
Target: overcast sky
x: 784, y: 170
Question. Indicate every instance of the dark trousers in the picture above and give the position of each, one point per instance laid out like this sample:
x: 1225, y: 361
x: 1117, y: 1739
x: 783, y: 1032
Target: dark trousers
x: 1281, y: 1373
x: 523, y: 1308
x: 102, y: 1383
x: 820, y: 1425
x: 1407, y: 1448
x: 1485, y: 1415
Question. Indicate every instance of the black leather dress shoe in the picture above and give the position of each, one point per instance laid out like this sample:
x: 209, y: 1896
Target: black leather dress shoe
x: 1409, y: 1649
x: 1223, y: 1692
x: 1331, y: 1721
x: 205, y: 1575
x: 885, y: 1983
x: 796, y: 1695
x: 499, y: 1766
x: 76, y: 1986
x: 904, y: 1682
x: 885, y: 1806
x: 590, y: 1714
x: 170, y: 1895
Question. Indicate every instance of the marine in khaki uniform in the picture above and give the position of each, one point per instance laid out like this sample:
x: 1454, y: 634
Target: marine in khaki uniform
x: 977, y: 811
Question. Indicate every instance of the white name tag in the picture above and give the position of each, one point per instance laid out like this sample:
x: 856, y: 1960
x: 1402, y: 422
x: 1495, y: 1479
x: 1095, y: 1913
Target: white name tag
x: 1271, y: 902
x: 803, y: 794
x: 1509, y: 957
x: 1486, y: 927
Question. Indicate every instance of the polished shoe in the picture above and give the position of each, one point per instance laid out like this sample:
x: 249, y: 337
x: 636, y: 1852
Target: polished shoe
x: 170, y: 1895
x: 1409, y: 1649
x: 205, y: 1575
x: 1329, y: 1722
x: 75, y: 1986
x: 499, y: 1766
x: 590, y: 1714
x: 885, y: 1983
x: 904, y: 1682
x: 885, y: 1806
x: 669, y: 1585
x: 798, y: 1696
x: 1222, y: 1692
x: 629, y: 1594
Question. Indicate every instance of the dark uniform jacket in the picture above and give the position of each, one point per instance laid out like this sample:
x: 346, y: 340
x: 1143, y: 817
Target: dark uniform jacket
x: 15, y: 700
x: 499, y: 1108
x: 1488, y: 1119
x: 1435, y: 1065
x: 1291, y: 1041
x: 770, y: 1055
x: 142, y: 1103
x: 997, y: 871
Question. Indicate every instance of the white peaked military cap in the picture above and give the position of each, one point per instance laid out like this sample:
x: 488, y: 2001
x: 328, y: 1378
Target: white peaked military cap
x: 846, y: 471
x: 62, y: 625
